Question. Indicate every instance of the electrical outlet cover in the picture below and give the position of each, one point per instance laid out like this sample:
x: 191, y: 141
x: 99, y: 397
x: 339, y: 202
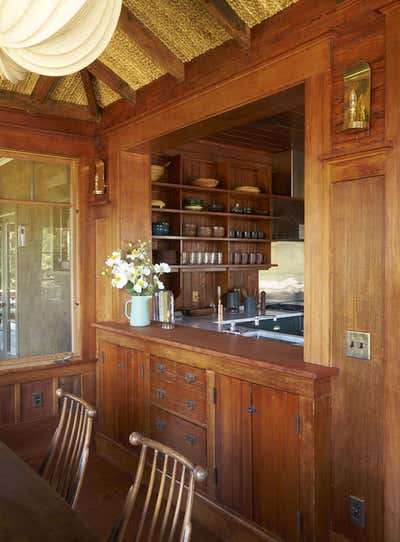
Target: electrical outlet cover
x: 357, y: 510
x: 358, y: 345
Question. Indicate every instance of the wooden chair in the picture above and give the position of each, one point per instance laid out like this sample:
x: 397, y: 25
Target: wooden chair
x: 166, y: 513
x: 65, y: 463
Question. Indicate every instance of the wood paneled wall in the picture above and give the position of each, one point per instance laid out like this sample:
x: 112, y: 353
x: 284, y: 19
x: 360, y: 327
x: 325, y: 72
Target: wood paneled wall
x: 124, y: 217
x: 349, y: 177
x: 352, y: 214
x: 18, y: 387
x: 357, y: 240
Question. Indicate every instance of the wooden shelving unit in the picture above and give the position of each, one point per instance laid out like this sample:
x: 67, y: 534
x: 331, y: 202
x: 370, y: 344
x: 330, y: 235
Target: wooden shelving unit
x: 196, y: 285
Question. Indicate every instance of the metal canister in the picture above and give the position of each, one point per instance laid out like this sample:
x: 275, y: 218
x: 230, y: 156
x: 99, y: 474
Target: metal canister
x: 164, y: 303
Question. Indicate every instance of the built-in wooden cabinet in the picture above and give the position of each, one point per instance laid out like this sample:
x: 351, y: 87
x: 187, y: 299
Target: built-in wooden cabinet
x: 275, y: 425
x: 257, y: 454
x: 121, y: 391
x: 262, y: 433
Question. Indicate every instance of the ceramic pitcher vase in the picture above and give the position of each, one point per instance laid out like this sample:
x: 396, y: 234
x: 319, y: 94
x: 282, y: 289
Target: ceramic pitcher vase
x: 139, y: 315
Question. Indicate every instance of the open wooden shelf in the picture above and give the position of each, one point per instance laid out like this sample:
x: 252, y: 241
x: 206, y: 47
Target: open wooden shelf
x: 175, y: 187
x: 244, y: 216
x: 223, y: 239
x: 236, y: 193
x: 222, y: 267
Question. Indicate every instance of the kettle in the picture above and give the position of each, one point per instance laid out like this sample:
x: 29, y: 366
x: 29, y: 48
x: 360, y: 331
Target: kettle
x: 233, y: 301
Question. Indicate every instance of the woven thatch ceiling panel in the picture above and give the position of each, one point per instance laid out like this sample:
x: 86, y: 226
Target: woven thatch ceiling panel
x: 105, y: 96
x: 185, y: 26
x: 128, y: 61
x: 70, y: 89
x: 25, y: 87
x: 254, y: 11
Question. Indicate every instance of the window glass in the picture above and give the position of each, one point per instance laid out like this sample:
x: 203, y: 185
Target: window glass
x: 51, y: 182
x: 15, y: 179
x: 35, y: 273
x: 34, y: 181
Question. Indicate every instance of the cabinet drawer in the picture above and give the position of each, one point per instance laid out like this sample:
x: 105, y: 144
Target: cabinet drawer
x: 191, y: 375
x: 182, y: 398
x: 184, y: 437
x: 162, y: 369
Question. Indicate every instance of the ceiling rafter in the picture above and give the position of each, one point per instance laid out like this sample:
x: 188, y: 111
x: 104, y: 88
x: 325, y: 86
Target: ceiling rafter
x: 88, y: 84
x: 228, y: 18
x: 24, y: 102
x: 43, y: 88
x: 151, y: 44
x: 114, y: 81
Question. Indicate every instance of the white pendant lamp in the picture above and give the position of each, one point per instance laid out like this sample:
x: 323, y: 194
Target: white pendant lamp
x: 53, y: 37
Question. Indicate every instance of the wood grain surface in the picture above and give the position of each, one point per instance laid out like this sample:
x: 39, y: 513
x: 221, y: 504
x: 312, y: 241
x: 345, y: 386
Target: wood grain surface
x: 31, y: 510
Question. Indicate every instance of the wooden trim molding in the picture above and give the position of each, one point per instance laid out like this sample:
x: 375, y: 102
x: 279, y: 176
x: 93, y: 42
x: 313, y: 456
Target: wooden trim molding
x: 358, y: 166
x: 280, y: 73
x: 392, y: 284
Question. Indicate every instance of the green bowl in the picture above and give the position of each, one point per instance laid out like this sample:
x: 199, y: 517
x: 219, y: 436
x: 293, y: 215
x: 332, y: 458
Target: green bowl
x: 192, y: 202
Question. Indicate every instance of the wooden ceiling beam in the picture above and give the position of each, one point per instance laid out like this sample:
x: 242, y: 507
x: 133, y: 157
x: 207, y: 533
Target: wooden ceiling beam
x: 228, y: 18
x: 87, y: 80
x: 114, y: 81
x: 151, y: 44
x: 44, y: 85
x: 24, y: 102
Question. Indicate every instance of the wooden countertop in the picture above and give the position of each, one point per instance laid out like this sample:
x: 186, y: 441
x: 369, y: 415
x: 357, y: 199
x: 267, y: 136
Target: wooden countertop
x: 270, y: 354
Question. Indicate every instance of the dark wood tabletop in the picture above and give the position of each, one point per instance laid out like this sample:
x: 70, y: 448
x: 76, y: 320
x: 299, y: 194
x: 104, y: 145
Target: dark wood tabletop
x: 30, y: 510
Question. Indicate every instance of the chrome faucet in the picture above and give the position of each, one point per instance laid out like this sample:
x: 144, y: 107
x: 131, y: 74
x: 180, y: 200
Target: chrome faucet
x: 276, y: 327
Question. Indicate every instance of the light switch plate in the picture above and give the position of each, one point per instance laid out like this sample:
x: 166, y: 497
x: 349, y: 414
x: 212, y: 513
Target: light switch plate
x: 358, y: 345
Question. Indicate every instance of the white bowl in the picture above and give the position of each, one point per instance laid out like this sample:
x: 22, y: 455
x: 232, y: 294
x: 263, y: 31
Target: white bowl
x: 157, y: 172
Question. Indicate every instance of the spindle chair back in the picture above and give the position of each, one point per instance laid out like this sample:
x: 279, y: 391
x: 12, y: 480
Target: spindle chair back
x: 166, y: 514
x: 65, y: 463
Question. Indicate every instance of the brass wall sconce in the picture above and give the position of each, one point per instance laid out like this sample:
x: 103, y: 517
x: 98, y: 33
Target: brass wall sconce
x: 357, y: 96
x: 100, y: 186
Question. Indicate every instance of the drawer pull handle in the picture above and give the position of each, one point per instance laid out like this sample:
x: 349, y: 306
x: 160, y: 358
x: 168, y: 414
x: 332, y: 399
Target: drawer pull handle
x: 190, y: 377
x: 160, y: 424
x: 190, y: 405
x: 161, y: 393
x: 161, y: 368
x: 190, y: 439
x: 121, y: 365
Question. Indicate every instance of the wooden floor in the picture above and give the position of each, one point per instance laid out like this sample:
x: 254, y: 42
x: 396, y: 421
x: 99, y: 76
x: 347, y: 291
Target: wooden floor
x: 105, y: 485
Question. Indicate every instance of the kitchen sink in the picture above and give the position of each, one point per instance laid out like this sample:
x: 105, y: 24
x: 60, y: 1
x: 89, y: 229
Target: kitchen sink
x: 286, y: 328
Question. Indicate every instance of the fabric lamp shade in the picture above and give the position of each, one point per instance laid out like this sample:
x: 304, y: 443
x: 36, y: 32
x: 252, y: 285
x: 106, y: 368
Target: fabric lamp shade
x: 54, y: 37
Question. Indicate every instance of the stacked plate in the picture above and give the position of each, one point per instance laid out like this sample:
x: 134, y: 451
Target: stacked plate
x: 253, y: 189
x: 54, y: 37
x: 205, y: 182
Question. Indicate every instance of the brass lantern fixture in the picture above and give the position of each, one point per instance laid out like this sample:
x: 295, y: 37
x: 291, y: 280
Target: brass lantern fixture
x: 357, y: 96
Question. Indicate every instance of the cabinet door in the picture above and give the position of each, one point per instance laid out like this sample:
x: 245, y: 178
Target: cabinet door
x: 136, y: 391
x: 114, y: 391
x: 233, y: 443
x: 275, y: 461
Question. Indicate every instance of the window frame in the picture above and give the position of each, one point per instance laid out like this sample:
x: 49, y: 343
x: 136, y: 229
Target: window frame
x: 74, y: 206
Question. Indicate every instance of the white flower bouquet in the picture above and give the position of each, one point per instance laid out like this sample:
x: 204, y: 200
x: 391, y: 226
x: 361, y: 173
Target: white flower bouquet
x: 132, y: 269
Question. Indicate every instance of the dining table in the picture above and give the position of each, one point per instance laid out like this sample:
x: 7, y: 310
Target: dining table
x: 30, y: 510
